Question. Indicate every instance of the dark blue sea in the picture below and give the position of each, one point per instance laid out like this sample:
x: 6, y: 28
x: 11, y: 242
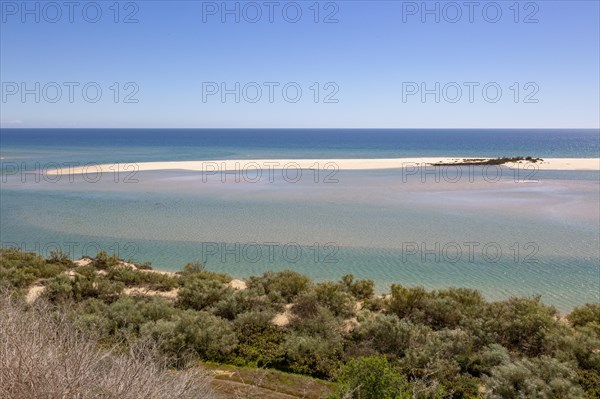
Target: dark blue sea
x: 139, y: 145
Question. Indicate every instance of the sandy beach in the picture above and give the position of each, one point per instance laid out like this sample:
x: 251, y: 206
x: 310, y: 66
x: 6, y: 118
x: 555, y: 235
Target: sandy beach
x: 325, y: 164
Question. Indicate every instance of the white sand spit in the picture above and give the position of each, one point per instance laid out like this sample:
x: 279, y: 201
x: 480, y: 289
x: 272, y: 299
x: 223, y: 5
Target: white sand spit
x: 212, y: 167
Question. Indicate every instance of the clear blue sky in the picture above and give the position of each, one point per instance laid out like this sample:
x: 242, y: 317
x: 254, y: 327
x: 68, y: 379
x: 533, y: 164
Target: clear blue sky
x: 373, y: 55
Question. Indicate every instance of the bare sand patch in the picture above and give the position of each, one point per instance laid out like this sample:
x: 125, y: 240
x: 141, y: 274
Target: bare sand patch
x: 237, y: 284
x: 34, y: 293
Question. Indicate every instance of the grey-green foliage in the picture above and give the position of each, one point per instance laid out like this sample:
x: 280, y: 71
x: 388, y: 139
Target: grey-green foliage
x: 334, y: 298
x: 521, y: 324
x: 585, y: 315
x: 360, y: 289
x: 200, y: 333
x: 314, y: 355
x: 285, y: 285
x: 437, y: 354
x: 242, y: 301
x: 199, y: 294
x: 386, y: 334
x: 20, y: 269
x: 537, y: 378
x: 438, y: 309
x: 81, y: 286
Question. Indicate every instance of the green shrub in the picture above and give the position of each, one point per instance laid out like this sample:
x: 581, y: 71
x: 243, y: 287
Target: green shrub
x: 203, y: 334
x: 156, y: 308
x: 584, y: 315
x: 286, y: 284
x: 339, y: 302
x: 259, y: 339
x: 520, y: 324
x: 491, y: 356
x: 17, y: 278
x: 137, y: 278
x: 200, y: 294
x: 322, y: 324
x: 241, y: 301
x: 422, y: 307
x: 59, y: 289
x: 306, y: 305
x: 125, y: 313
x: 360, y: 289
x: 535, y: 378
x: 95, y: 286
x: 312, y: 355
x: 62, y: 288
x: 371, y: 378
x: 60, y: 257
x: 104, y: 261
x: 441, y: 355
x: 198, y: 270
x: 385, y: 334
x: 590, y: 382
x: 21, y: 269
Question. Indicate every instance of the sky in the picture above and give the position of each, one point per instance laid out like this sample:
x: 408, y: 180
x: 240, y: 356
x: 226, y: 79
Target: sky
x: 302, y: 64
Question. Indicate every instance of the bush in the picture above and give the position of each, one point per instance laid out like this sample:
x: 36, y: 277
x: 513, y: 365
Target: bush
x: 59, y: 289
x: 438, y: 355
x: 521, y: 324
x: 103, y: 261
x: 136, y: 278
x: 542, y: 377
x: 43, y: 356
x: 340, y: 303
x: 584, y: 315
x: 259, y: 339
x: 200, y: 333
x: 21, y: 269
x: 322, y: 323
x: 386, y: 334
x: 590, y: 382
x: 241, y: 301
x: 437, y: 309
x: 360, y: 289
x: 198, y: 270
x: 371, y: 378
x: 199, y: 294
x: 312, y: 355
x: 306, y: 305
x: 285, y: 285
x: 491, y: 356
x: 59, y: 257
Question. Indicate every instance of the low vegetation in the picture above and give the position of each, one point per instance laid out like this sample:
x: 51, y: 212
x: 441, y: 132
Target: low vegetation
x: 411, y: 343
x: 43, y: 355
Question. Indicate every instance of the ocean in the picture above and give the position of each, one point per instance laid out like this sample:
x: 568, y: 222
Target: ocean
x: 140, y: 145
x: 535, y: 234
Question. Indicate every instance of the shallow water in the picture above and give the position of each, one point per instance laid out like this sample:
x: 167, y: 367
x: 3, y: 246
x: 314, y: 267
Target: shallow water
x: 504, y: 237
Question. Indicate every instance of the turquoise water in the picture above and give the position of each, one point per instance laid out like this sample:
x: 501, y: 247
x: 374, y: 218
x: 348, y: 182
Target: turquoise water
x: 502, y: 237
